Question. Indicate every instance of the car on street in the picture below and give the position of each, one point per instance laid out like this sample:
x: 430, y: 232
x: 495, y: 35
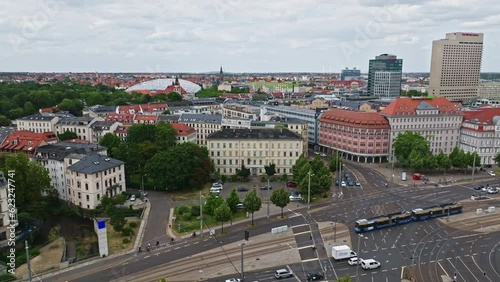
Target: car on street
x: 132, y: 198
x: 492, y: 190
x: 354, y: 261
x: 478, y: 187
x: 357, y: 183
x: 266, y: 187
x: 350, y: 183
x: 316, y: 153
x: 492, y: 173
x: 315, y: 276
x: 370, y: 264
x: 343, y: 184
x: 240, y: 205
x: 283, y: 273
x: 217, y: 186
x: 242, y: 189
x: 294, y: 197
x: 233, y: 280
x: 291, y: 184
x: 323, y: 154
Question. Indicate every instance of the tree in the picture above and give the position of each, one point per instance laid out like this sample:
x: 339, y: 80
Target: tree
x: 474, y: 160
x: 67, y: 135
x: 415, y: 160
x: 497, y: 159
x: 270, y: 170
x: 222, y: 213
x: 252, y: 202
x: 174, y: 96
x: 110, y: 141
x: 243, y: 173
x: 280, y: 198
x: 31, y: 179
x: 411, y: 140
x: 212, y: 203
x: 443, y: 161
x: 346, y: 278
x: 456, y: 157
x: 233, y: 200
x: 118, y: 221
x: 335, y: 163
x: 297, y: 168
x: 4, y: 121
x: 54, y: 233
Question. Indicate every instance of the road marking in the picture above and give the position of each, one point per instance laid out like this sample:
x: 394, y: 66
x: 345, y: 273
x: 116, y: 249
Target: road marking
x: 177, y: 248
x: 466, y: 236
x: 146, y: 256
x: 296, y: 234
x: 468, y: 268
x: 306, y: 260
x: 305, y: 247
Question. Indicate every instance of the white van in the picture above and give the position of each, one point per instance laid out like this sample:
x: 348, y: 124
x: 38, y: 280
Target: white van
x: 283, y: 273
x: 370, y: 264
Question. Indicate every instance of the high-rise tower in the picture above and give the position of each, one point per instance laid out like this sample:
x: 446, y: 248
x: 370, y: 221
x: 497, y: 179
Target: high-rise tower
x: 384, y: 76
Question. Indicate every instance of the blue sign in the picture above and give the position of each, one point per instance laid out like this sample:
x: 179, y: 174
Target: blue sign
x: 101, y: 224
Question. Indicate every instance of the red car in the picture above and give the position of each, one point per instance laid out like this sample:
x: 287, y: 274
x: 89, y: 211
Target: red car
x: 291, y: 184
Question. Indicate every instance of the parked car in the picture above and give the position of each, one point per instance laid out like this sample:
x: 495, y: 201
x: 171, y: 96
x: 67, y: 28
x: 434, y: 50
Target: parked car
x: 266, y: 187
x: 283, y: 273
x: 217, y: 185
x: 354, y: 261
x: 242, y: 189
x: 491, y: 172
x: 295, y: 197
x: 316, y: 153
x: 233, y: 280
x: 492, y: 190
x: 291, y: 184
x: 357, y: 183
x: 315, y: 276
x: 370, y: 264
x: 478, y: 187
x: 240, y: 205
x: 132, y: 198
x: 323, y: 154
x: 350, y: 183
x: 343, y: 184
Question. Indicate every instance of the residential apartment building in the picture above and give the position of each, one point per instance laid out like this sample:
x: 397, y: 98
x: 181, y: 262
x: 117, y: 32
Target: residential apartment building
x: 52, y: 158
x: 235, y: 123
x: 100, y: 111
x: 254, y: 148
x: 101, y: 128
x: 480, y: 133
x: 239, y: 111
x: 490, y: 91
x: 309, y: 116
x: 437, y: 119
x: 79, y: 125
x: 184, y: 133
x: 21, y: 141
x: 357, y: 136
x: 293, y: 124
x: 456, y: 66
x: 203, y: 124
x: 384, y: 76
x: 39, y: 122
x: 90, y: 177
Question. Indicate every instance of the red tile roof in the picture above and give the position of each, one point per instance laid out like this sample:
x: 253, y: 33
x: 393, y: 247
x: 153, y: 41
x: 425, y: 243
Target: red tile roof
x: 26, y: 141
x: 124, y: 118
x: 482, y: 117
x: 407, y: 106
x: 133, y: 109
x: 146, y: 117
x: 355, y: 119
x: 182, y: 129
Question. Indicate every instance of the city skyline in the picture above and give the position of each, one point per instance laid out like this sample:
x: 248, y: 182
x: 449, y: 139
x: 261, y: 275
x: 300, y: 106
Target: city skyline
x: 188, y: 36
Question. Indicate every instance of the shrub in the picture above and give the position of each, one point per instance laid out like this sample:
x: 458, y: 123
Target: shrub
x: 132, y: 224
x: 5, y: 277
x: 126, y: 231
x: 125, y: 241
x: 180, y: 210
x: 263, y: 179
x: 233, y: 178
x: 186, y: 216
x: 223, y: 178
x: 195, y: 210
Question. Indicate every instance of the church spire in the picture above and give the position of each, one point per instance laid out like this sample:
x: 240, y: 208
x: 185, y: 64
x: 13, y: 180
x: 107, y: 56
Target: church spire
x: 221, y: 72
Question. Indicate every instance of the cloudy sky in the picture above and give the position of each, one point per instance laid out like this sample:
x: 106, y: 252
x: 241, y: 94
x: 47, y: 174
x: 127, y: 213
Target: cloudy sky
x: 241, y: 35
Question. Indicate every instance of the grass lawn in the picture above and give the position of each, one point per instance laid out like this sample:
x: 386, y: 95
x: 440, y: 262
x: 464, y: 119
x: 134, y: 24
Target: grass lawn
x: 272, y: 84
x: 190, y: 195
x: 188, y: 227
x: 115, y: 239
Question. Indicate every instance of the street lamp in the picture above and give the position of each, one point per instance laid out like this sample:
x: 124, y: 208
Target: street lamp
x: 201, y: 216
x: 268, y: 188
x: 359, y: 259
x: 242, y: 276
x: 309, y: 191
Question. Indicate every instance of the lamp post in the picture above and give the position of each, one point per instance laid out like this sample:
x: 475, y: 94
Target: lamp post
x: 242, y: 276
x: 359, y: 260
x: 201, y: 216
x: 268, y: 187
x: 309, y: 191
x: 392, y: 159
x: 142, y: 184
x: 473, y: 165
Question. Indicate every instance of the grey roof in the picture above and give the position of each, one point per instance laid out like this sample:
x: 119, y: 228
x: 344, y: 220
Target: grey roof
x: 169, y: 118
x: 94, y: 163
x: 39, y: 116
x: 291, y: 109
x: 103, y: 124
x: 217, y: 119
x: 205, y: 101
x: 58, y: 151
x: 260, y: 133
x: 75, y: 120
x: 180, y: 104
x: 423, y: 105
x: 101, y: 108
x: 5, y: 131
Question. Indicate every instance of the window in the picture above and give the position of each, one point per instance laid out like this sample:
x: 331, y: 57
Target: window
x: 86, y: 186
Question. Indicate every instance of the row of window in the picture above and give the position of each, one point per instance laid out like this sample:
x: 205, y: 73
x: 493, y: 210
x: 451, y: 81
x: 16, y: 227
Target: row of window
x: 256, y: 162
x: 255, y: 154
x: 249, y: 145
x: 257, y: 170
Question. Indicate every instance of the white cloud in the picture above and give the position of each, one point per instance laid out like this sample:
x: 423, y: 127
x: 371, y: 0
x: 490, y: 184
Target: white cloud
x: 258, y: 35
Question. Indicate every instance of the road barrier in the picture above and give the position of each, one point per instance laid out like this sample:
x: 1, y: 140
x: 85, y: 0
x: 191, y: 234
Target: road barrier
x: 280, y: 229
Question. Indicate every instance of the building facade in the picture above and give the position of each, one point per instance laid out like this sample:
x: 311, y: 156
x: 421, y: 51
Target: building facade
x: 456, y: 66
x: 348, y: 74
x: 90, y: 177
x: 38, y: 123
x: 203, y: 124
x: 81, y: 126
x: 254, y: 148
x: 490, y: 91
x: 357, y: 136
x: 184, y: 133
x: 293, y: 124
x: 384, y: 76
x: 437, y: 119
x: 101, y: 128
x: 52, y: 158
x: 480, y: 133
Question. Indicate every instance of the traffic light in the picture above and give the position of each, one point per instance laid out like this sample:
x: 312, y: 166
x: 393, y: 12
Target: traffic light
x: 247, y: 234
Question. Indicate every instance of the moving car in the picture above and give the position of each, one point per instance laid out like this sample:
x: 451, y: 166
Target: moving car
x: 492, y: 190
x: 315, y: 276
x: 478, y: 187
x: 283, y: 273
x: 491, y: 172
x: 354, y: 261
x: 242, y: 189
x: 217, y: 185
x: 295, y: 197
x: 266, y: 187
x: 370, y: 264
x: 357, y: 183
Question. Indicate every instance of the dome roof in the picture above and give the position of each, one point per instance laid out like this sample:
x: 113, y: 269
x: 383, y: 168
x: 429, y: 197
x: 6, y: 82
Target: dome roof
x: 161, y: 84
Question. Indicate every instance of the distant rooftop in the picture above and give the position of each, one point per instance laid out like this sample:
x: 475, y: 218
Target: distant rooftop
x: 259, y: 134
x: 94, y: 163
x: 208, y: 118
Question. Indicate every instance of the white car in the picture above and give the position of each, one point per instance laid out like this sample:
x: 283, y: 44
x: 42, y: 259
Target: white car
x: 491, y: 172
x: 343, y: 184
x: 370, y: 264
x: 132, y: 198
x: 492, y: 190
x: 233, y: 280
x: 323, y: 154
x: 354, y: 261
x: 294, y: 198
x: 217, y: 186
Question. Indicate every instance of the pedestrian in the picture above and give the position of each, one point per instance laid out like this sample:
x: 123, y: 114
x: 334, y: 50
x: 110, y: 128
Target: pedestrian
x: 157, y: 243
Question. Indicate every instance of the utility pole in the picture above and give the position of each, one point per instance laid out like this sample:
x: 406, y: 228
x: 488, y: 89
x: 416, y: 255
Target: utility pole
x: 309, y: 192
x: 28, y: 260
x: 358, y: 262
x: 473, y: 165
x: 201, y: 217
x: 242, y: 275
x: 392, y: 173
x: 268, y: 188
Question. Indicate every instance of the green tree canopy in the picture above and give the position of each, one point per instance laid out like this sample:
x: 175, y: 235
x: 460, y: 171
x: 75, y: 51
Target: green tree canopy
x: 4, y: 121
x: 243, y: 172
x: 497, y: 159
x: 408, y: 142
x: 173, y: 97
x: 280, y: 198
x: 212, y: 203
x: 222, y: 213
x: 232, y: 201
x: 67, y: 135
x: 270, y: 169
x: 334, y: 163
x: 252, y: 202
x: 110, y: 141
